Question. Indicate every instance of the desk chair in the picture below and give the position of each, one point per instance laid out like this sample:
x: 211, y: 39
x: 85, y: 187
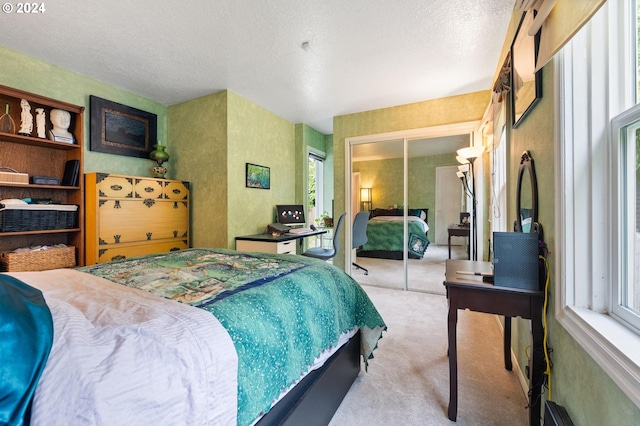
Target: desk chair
x: 323, y: 253
x: 360, y: 234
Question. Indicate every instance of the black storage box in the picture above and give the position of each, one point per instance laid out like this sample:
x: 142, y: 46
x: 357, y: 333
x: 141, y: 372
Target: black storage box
x: 45, y: 180
x: 37, y: 217
x: 515, y: 260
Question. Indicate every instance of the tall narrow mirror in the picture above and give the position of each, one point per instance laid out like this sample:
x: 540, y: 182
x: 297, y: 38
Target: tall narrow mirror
x: 527, y: 196
x: 378, y: 174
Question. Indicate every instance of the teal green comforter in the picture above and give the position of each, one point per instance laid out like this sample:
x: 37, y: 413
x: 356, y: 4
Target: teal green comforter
x: 388, y: 236
x: 281, y: 311
x: 26, y: 336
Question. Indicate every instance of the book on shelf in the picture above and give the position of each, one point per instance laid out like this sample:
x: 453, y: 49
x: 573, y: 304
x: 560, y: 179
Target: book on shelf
x: 71, y: 171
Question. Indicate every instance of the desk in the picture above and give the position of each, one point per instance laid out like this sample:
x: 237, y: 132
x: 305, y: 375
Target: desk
x: 457, y: 231
x: 470, y: 292
x: 267, y: 243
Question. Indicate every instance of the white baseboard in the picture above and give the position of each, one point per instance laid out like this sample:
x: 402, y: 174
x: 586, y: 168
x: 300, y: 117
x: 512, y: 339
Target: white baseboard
x: 524, y: 382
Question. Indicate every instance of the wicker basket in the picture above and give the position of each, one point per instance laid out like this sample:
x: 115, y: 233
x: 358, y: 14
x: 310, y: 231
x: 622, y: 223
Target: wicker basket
x: 40, y: 260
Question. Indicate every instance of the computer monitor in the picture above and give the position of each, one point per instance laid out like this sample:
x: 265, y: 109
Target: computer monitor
x: 291, y: 214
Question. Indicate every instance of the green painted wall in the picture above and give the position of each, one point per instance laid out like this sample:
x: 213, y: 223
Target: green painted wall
x: 258, y: 136
x: 436, y: 112
x: 313, y: 138
x: 198, y: 130
x: 328, y: 175
x: 301, y: 165
x: 385, y: 179
x: 216, y: 136
x: 32, y: 75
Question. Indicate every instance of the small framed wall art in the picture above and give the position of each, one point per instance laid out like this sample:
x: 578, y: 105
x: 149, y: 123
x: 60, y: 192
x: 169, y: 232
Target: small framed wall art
x: 119, y: 129
x: 258, y: 176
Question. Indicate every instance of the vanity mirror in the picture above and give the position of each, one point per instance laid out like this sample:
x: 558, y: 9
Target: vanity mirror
x: 527, y: 197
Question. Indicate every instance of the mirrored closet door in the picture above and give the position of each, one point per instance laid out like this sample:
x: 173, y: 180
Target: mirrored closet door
x: 409, y: 186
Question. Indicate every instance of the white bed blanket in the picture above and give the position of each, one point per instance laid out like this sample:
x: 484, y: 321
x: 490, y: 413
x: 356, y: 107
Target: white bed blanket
x: 122, y: 356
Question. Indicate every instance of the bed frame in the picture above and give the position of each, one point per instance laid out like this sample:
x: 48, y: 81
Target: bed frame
x: 316, y: 398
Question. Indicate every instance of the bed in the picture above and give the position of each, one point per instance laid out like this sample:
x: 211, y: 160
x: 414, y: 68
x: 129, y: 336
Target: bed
x: 385, y: 234
x: 254, y: 335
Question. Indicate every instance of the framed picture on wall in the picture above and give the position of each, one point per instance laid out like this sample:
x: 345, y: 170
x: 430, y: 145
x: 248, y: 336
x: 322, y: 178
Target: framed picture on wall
x: 526, y: 84
x: 119, y: 129
x: 258, y: 176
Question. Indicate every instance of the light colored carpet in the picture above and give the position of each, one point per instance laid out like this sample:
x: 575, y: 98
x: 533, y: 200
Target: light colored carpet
x: 408, y: 380
x: 426, y: 274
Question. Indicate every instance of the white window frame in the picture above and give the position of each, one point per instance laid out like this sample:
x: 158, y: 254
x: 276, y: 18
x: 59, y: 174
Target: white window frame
x: 498, y: 205
x: 319, y: 157
x: 623, y: 171
x: 585, y: 259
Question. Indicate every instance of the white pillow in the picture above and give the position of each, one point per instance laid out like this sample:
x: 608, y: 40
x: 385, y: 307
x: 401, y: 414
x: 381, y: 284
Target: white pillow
x: 9, y: 201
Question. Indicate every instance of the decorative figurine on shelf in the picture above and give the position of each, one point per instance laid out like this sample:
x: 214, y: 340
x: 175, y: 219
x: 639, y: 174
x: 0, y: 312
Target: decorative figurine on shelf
x: 61, y: 120
x: 40, y: 122
x: 159, y: 155
x: 7, y: 125
x: 26, y: 119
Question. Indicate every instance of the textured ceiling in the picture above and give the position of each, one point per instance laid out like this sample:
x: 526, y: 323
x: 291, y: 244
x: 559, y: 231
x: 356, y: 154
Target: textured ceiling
x: 361, y: 54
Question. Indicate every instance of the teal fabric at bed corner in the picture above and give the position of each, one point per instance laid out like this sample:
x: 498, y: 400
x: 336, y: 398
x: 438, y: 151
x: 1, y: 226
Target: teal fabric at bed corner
x: 281, y: 311
x: 26, y: 336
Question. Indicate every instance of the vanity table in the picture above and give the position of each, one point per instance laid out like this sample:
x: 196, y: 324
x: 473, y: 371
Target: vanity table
x: 467, y: 290
x: 457, y: 231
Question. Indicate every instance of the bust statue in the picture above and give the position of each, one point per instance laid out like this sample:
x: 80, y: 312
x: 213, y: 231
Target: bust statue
x: 61, y: 120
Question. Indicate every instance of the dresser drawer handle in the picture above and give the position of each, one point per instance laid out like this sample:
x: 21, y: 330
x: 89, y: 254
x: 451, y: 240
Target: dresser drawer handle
x: 116, y: 187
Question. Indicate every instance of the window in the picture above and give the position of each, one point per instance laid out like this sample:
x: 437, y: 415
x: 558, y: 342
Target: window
x: 597, y: 291
x: 498, y: 206
x: 315, y: 186
x: 625, y: 136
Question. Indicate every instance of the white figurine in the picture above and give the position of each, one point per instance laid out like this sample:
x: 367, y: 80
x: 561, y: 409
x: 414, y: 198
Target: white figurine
x: 40, y: 122
x: 26, y: 124
x: 61, y: 120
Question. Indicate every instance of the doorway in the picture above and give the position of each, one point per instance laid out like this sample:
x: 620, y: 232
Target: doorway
x: 449, y: 202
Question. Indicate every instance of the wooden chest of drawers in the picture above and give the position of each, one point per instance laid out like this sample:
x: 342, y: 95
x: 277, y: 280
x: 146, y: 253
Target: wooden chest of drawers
x: 129, y: 216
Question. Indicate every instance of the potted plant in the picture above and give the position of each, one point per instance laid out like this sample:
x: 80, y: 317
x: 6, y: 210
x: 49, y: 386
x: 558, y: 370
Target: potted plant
x: 325, y: 220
